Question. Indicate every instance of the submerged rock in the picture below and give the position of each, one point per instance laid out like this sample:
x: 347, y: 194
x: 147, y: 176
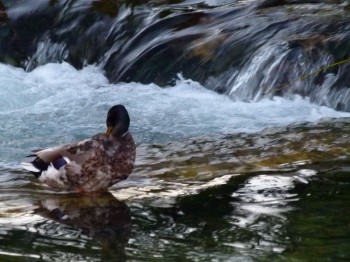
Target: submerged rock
x: 271, y: 150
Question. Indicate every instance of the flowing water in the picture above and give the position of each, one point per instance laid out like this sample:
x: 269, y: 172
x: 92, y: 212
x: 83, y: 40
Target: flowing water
x: 238, y: 158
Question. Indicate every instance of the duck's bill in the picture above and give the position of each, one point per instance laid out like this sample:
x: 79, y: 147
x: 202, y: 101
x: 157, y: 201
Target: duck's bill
x: 108, y: 131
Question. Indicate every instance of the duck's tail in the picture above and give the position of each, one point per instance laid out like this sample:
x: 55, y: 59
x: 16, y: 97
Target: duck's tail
x: 36, y: 167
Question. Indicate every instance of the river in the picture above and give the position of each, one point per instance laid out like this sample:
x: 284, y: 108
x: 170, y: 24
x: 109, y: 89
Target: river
x: 242, y: 149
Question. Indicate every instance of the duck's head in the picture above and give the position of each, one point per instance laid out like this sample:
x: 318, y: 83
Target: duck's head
x: 117, y: 121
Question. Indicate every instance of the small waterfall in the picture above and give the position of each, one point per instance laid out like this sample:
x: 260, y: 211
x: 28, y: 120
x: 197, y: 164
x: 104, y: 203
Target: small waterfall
x: 47, y: 52
x: 247, y: 50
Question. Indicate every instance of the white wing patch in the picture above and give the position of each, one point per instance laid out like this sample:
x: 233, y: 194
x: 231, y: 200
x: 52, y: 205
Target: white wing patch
x: 50, y: 174
x: 54, y: 175
x: 29, y: 166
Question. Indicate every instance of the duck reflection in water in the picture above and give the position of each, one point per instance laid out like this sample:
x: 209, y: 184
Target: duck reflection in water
x: 99, y: 216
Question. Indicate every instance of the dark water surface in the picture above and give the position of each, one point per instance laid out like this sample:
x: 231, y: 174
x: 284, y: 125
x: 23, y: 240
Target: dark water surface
x: 285, y: 204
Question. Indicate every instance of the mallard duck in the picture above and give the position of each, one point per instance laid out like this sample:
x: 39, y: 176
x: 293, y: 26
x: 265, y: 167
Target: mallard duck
x: 90, y: 165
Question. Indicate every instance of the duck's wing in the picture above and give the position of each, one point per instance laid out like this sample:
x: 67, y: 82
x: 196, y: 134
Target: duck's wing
x: 78, y: 152
x: 57, y: 156
x: 84, y: 158
x: 51, y: 154
x: 43, y: 158
x: 82, y: 151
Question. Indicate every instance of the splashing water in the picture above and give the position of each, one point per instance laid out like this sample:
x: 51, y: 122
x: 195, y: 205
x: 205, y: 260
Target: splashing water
x: 56, y: 104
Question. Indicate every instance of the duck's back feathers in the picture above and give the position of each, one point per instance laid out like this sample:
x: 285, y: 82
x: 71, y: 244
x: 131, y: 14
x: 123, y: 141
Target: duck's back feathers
x: 89, y: 165
x: 55, y: 156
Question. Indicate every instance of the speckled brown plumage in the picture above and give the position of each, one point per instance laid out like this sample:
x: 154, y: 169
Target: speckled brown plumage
x: 96, y: 163
x: 93, y: 164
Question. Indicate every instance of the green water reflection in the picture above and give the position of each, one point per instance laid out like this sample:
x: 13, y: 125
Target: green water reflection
x: 67, y: 227
x: 319, y: 228
x: 287, y: 200
x: 295, y: 216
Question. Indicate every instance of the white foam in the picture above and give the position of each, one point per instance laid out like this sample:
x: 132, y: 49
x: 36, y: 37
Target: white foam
x: 56, y: 103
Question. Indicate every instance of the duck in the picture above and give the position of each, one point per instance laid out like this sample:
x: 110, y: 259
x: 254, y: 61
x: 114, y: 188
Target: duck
x: 90, y: 165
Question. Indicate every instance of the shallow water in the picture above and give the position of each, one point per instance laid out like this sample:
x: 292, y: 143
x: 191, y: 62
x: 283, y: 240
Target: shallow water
x: 298, y: 215
x: 56, y: 103
x: 236, y: 158
x: 222, y: 190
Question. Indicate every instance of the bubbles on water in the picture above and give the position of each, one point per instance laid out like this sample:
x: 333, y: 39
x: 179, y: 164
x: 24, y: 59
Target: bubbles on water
x: 46, y: 52
x: 56, y: 103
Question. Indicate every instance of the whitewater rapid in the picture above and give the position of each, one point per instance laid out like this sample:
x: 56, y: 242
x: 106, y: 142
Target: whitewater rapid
x: 56, y: 103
